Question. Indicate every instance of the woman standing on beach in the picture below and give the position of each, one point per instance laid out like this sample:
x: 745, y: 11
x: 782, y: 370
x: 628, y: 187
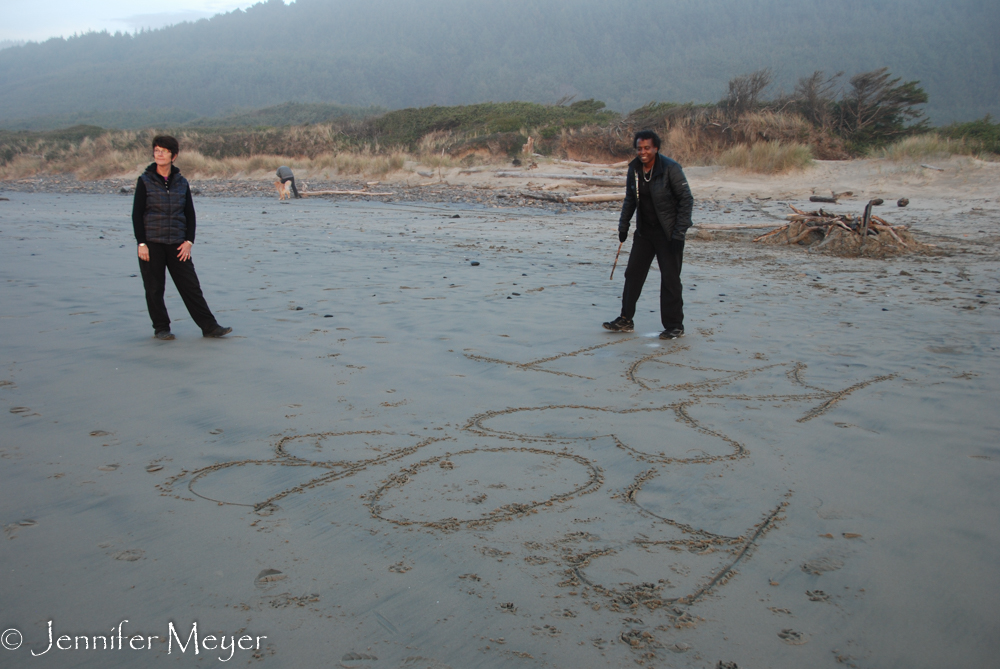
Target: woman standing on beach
x: 164, y: 222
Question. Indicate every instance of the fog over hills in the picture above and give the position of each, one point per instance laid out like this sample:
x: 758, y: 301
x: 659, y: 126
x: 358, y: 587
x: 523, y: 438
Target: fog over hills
x: 406, y: 53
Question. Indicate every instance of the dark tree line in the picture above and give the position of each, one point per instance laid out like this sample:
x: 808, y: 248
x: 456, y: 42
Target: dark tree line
x: 400, y: 53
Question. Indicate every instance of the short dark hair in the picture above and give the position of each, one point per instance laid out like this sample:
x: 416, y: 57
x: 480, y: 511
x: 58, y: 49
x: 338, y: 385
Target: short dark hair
x: 170, y: 144
x: 645, y: 134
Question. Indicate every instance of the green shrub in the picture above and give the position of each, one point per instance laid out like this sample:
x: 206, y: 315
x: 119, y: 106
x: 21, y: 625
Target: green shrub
x: 982, y: 136
x: 406, y: 127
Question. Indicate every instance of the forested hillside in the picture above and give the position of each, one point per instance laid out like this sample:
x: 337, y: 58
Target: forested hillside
x: 404, y: 53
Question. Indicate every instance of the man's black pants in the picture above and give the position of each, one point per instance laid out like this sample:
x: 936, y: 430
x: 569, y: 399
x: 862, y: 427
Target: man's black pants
x: 295, y: 191
x: 669, y: 255
x: 163, y: 257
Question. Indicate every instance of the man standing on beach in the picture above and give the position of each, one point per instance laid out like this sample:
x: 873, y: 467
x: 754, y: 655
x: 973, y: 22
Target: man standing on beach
x: 657, y: 188
x: 163, y: 220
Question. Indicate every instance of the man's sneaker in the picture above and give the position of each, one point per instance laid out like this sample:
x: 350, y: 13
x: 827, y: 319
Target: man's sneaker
x: 165, y: 335
x: 620, y: 325
x: 672, y: 333
x: 219, y: 331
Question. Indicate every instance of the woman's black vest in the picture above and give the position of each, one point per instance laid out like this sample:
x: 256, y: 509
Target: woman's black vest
x: 164, y: 219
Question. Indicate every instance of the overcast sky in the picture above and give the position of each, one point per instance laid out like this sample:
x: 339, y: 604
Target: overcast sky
x: 38, y: 20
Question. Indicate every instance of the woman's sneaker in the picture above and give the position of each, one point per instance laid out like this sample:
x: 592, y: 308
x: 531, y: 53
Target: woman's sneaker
x: 620, y: 325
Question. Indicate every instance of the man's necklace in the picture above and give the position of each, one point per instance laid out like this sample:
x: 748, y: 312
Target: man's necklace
x: 646, y: 176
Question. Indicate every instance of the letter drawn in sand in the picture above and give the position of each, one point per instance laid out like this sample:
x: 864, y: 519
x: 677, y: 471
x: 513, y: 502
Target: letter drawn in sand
x: 511, y: 464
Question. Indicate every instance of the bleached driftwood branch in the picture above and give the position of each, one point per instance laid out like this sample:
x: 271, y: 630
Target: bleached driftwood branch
x: 340, y: 192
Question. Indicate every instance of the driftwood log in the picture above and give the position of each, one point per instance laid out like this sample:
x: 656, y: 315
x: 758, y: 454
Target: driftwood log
x: 545, y: 197
x: 584, y: 178
x: 576, y: 199
x: 340, y: 192
x: 596, y: 197
x: 833, y: 197
x: 614, y: 166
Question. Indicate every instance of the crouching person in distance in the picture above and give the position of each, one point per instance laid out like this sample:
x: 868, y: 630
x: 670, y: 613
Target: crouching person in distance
x: 164, y: 222
x: 658, y: 193
x: 285, y: 175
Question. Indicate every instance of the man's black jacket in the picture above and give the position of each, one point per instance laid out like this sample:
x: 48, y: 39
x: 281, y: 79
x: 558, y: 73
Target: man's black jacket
x: 670, y: 194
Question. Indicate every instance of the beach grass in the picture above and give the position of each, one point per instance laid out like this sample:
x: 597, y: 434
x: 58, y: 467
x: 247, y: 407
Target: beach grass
x: 764, y: 141
x: 920, y: 147
x: 767, y: 157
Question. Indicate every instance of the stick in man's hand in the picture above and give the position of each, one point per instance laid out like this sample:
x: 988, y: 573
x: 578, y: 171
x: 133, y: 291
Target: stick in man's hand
x: 616, y: 262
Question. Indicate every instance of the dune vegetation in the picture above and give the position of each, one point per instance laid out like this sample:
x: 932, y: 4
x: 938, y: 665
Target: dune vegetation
x: 876, y: 116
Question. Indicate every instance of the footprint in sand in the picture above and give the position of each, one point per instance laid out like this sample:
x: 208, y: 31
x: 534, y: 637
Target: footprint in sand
x: 11, y: 529
x: 638, y: 639
x: 793, y: 638
x: 266, y: 510
x: 489, y: 551
x: 129, y: 555
x: 820, y: 565
x: 418, y: 662
x: 268, y: 576
x: 358, y: 660
x: 112, y: 439
x: 817, y: 596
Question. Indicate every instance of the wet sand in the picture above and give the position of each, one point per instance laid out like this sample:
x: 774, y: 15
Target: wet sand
x: 400, y: 459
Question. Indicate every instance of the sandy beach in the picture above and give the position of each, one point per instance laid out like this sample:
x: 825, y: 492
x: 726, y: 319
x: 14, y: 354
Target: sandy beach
x: 420, y: 449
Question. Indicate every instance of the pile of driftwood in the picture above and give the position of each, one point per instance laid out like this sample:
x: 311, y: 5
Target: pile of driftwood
x: 845, y: 234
